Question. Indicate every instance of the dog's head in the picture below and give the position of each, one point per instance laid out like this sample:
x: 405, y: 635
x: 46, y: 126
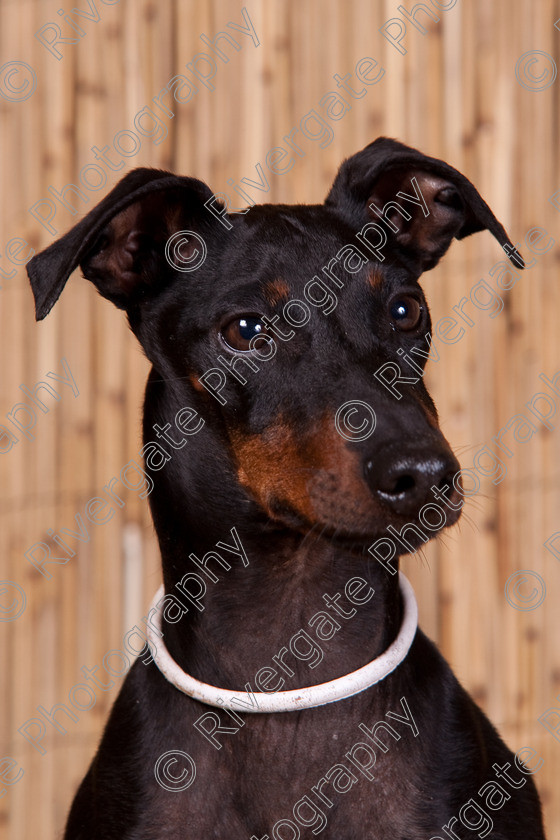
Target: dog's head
x: 300, y: 334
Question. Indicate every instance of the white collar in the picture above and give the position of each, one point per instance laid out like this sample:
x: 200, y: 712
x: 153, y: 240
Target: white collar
x: 302, y: 698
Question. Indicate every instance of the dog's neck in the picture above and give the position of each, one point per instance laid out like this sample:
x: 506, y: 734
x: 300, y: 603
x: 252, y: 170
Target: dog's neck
x: 258, y: 605
x: 290, y: 595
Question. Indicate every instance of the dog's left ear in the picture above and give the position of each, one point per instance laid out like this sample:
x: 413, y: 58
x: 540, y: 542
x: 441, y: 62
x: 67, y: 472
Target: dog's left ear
x: 420, y: 203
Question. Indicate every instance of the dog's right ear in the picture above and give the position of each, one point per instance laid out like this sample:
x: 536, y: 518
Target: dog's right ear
x: 120, y: 244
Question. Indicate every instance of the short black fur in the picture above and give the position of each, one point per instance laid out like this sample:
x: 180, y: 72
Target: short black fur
x: 305, y: 502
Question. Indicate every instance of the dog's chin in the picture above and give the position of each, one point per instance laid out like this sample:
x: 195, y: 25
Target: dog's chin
x: 357, y: 540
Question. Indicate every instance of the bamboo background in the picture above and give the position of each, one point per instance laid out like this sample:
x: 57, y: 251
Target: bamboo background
x: 454, y: 95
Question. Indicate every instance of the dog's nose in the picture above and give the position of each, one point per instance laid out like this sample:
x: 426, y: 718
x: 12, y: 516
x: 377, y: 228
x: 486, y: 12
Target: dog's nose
x: 403, y: 481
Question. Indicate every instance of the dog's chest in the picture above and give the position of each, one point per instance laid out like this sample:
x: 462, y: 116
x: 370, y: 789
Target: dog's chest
x: 371, y: 812
x: 284, y: 778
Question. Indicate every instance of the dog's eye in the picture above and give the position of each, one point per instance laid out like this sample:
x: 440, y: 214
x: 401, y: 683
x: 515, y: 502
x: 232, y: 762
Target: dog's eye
x: 239, y: 332
x: 405, y: 312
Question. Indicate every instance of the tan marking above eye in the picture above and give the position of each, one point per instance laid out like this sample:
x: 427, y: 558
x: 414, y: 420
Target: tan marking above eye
x: 374, y: 279
x: 276, y: 291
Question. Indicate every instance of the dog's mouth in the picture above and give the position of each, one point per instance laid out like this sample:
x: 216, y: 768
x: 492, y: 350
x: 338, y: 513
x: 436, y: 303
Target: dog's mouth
x: 407, y: 538
x: 406, y: 534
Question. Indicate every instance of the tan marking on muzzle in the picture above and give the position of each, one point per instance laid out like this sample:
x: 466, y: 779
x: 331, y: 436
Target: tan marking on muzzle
x: 316, y: 474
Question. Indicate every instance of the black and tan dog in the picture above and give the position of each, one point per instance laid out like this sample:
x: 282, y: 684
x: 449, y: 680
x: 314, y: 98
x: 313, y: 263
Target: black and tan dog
x: 306, y: 502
